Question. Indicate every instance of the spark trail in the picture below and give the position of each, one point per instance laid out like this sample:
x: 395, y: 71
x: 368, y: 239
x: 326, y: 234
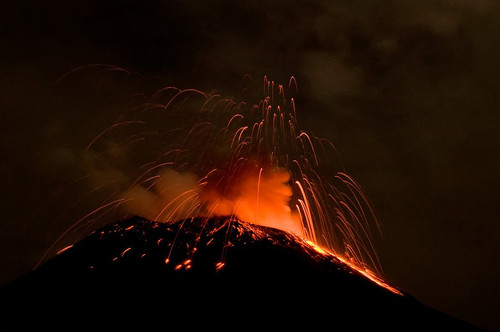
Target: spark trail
x: 193, y: 154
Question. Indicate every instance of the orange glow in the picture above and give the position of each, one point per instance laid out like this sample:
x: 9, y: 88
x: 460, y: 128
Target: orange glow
x: 316, y: 247
x: 219, y: 266
x: 254, y: 194
x: 63, y: 249
x: 125, y: 251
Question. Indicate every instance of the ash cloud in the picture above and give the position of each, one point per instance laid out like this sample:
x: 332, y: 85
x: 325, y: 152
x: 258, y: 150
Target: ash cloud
x: 172, y: 196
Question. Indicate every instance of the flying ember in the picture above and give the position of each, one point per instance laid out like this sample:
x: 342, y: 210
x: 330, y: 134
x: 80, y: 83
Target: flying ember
x: 185, y: 154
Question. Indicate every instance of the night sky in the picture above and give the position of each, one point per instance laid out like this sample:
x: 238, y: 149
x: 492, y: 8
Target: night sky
x: 406, y: 90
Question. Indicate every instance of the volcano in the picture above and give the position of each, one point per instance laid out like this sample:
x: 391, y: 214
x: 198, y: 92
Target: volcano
x: 216, y: 269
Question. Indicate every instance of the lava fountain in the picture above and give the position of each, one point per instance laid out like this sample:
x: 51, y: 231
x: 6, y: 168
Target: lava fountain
x: 184, y: 154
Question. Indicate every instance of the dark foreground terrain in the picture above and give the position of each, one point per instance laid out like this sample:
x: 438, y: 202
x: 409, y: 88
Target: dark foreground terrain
x: 212, y: 272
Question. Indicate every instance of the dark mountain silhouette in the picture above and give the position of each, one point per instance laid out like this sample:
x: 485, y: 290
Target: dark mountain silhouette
x: 215, y: 271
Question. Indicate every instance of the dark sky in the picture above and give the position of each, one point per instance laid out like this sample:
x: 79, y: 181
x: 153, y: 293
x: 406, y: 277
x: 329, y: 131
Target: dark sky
x: 406, y: 90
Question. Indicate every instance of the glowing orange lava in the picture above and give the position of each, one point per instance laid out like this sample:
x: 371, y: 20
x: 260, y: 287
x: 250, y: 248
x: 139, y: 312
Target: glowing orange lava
x: 245, y: 160
x: 255, y: 194
x: 365, y: 272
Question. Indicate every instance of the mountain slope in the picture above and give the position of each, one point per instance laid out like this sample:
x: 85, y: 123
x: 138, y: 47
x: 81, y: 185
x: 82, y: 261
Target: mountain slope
x: 216, y: 269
